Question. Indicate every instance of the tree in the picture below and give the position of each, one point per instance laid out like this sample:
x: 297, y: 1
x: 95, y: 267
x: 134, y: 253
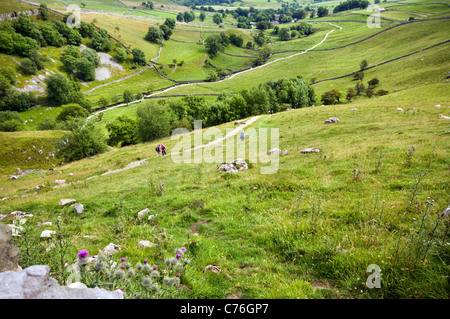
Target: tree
x: 154, y: 121
x: 10, y: 121
x: 180, y: 17
x: 213, y: 45
x: 70, y: 111
x: 28, y: 67
x: 322, y: 11
x: 43, y: 12
x: 212, y: 77
x: 103, y: 101
x: 363, y: 64
x: 202, y: 16
x: 217, y: 18
x: 52, y: 36
x: 18, y: 101
x: 170, y: 23
x: 360, y: 88
x: 284, y: 34
x: 154, y: 35
x: 312, y: 14
x: 189, y: 16
x: 84, y: 140
x: 75, y: 37
x: 358, y: 75
x: 373, y: 83
x: 166, y: 32
x: 236, y: 40
x: 331, y: 97
x: 6, y: 42
x: 369, y: 92
x: 91, y: 55
x: 139, y: 56
x: 128, y: 96
x: 351, y: 93
x: 120, y: 55
x: 85, y: 69
x: 122, y: 131
x: 58, y: 89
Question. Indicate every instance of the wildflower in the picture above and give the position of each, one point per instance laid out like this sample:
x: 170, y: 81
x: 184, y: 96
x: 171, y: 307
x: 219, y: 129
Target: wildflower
x: 154, y: 274
x: 166, y: 279
x: 101, y: 257
x: 122, y: 259
x: 155, y: 287
x: 146, y: 268
x: 171, y: 282
x: 155, y: 267
x: 183, y: 249
x: 186, y: 261
x: 83, y: 254
x: 131, y: 272
x: 178, y: 256
x: 147, y: 281
x: 119, y: 273
x: 138, y: 266
x: 98, y: 265
x: 178, y: 274
x: 145, y: 261
x: 127, y: 265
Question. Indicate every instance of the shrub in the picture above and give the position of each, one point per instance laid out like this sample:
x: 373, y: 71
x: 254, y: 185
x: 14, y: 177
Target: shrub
x: 72, y: 111
x: 84, y: 140
x: 10, y: 121
x: 154, y: 121
x: 122, y: 131
x: 331, y: 97
x: 18, y: 101
x: 58, y: 89
x: 47, y: 124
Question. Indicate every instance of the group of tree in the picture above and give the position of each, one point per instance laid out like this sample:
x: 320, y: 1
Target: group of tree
x: 218, y: 42
x: 333, y: 96
x: 148, y: 4
x: 186, y: 16
x: 164, y: 32
x: 351, y: 4
x: 156, y: 121
x: 10, y: 98
x: 81, y: 64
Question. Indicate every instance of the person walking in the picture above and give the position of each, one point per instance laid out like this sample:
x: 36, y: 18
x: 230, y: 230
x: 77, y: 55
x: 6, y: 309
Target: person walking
x: 158, y: 149
x: 163, y: 150
x: 242, y: 136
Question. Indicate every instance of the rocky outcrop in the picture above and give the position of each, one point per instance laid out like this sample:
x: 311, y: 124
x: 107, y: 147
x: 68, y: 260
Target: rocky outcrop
x: 34, y: 283
x: 331, y: 120
x: 9, y: 254
x: 310, y: 150
x: 233, y: 167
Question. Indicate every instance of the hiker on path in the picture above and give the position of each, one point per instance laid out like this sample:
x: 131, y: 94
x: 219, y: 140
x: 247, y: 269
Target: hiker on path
x: 158, y: 149
x: 163, y: 150
x: 242, y: 136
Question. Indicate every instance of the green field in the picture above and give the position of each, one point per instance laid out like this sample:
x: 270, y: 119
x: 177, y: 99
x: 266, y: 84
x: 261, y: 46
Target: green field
x: 373, y: 195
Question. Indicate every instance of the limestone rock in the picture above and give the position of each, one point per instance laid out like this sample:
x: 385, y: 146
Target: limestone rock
x: 233, y: 167
x: 213, y: 268
x: 64, y: 202
x: 111, y: 249
x: 146, y: 244
x: 34, y: 283
x: 239, y: 122
x: 79, y: 208
x: 399, y: 109
x: 9, y: 254
x: 47, y: 233
x: 142, y: 213
x: 310, y: 150
x: 331, y: 120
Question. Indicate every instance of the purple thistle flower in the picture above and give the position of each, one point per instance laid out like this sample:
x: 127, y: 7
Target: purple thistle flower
x: 122, y: 259
x: 178, y: 256
x: 145, y: 261
x: 82, y: 254
x: 155, y: 267
x: 183, y: 249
